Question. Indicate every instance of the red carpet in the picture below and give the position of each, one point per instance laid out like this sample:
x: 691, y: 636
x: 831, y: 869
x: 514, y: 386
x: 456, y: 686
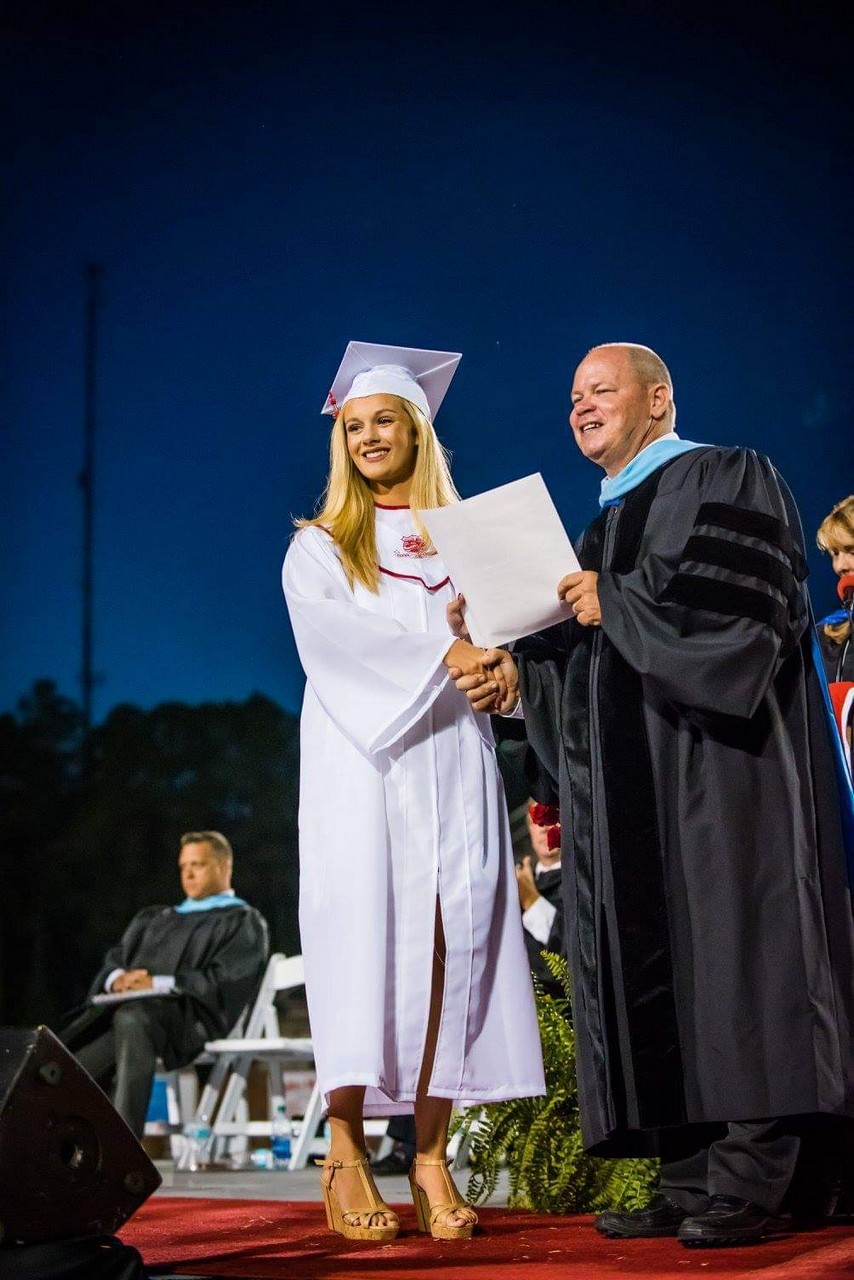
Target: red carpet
x: 261, y: 1239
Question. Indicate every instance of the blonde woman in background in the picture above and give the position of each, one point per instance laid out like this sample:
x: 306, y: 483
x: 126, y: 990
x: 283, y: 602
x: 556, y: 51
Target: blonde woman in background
x: 418, y: 988
x: 836, y: 537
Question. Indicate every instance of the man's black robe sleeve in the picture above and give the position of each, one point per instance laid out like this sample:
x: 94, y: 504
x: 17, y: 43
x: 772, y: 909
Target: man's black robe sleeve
x: 228, y: 978
x: 714, y: 604
x: 120, y: 956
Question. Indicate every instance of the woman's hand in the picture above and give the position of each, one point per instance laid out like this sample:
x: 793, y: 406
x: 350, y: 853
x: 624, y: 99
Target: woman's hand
x: 481, y: 669
x: 456, y: 618
x: 494, y: 687
x: 466, y: 658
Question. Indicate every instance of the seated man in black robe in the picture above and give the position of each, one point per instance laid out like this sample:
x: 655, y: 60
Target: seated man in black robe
x: 199, y: 964
x: 678, y: 713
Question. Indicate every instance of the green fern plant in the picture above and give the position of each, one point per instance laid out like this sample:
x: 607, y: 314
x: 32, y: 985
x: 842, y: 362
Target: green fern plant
x: 539, y: 1139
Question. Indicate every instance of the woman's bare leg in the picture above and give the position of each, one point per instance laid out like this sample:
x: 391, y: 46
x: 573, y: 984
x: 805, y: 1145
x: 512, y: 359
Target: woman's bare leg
x: 347, y: 1130
x: 346, y: 1125
x: 433, y: 1115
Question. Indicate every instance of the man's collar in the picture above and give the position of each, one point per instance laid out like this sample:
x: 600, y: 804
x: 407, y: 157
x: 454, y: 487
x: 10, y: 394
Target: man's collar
x: 227, y: 898
x: 614, y: 488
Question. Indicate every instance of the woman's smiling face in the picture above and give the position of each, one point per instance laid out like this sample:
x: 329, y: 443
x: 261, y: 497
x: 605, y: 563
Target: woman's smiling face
x: 380, y: 440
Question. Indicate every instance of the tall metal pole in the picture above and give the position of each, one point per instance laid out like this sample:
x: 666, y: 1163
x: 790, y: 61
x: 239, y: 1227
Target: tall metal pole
x: 87, y: 485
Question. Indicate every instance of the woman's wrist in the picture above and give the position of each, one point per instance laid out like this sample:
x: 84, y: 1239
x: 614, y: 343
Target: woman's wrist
x: 459, y: 652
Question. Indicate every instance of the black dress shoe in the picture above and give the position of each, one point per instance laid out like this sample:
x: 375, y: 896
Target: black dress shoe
x: 661, y: 1217
x: 728, y: 1220
x: 396, y: 1162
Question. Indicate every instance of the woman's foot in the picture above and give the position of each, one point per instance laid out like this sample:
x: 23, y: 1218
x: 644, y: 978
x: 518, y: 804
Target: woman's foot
x: 441, y: 1209
x: 353, y: 1204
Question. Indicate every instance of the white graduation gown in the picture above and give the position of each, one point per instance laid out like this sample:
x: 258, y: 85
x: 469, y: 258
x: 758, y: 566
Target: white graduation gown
x: 401, y: 800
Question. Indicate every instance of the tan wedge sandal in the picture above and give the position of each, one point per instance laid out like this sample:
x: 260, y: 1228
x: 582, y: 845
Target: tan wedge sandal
x: 355, y: 1224
x: 430, y: 1216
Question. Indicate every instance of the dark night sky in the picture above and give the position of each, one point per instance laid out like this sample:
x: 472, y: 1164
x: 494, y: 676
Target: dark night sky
x: 263, y: 181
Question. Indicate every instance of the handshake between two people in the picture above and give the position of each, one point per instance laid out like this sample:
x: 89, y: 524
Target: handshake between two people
x: 489, y: 677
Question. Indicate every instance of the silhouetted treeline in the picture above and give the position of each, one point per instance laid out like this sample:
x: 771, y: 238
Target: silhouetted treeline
x: 89, y: 829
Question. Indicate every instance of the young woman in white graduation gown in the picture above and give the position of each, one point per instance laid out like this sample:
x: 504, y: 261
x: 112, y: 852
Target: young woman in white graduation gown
x: 418, y: 985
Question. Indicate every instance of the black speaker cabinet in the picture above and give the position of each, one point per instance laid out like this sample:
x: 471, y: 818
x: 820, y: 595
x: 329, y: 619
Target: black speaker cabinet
x: 69, y: 1165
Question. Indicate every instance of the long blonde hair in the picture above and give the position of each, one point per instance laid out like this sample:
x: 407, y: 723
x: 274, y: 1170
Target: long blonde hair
x: 346, y: 508
x: 837, y: 530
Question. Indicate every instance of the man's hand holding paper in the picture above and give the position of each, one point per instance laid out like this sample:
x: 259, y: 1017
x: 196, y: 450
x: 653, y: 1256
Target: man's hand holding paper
x: 581, y: 592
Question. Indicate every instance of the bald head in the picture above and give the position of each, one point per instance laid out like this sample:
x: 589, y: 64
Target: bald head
x: 622, y: 400
x: 650, y: 369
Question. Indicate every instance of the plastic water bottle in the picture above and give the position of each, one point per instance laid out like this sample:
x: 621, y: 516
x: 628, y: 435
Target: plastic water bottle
x: 280, y: 1137
x: 197, y: 1137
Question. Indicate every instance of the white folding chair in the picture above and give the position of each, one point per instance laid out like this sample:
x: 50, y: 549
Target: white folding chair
x: 223, y: 1099
x: 182, y: 1095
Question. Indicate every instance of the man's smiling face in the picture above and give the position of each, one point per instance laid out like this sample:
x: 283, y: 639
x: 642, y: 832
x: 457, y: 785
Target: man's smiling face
x: 612, y: 409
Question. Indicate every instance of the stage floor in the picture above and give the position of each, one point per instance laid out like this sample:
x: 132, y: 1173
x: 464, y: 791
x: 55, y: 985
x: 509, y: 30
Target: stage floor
x: 223, y: 1224
x: 223, y: 1239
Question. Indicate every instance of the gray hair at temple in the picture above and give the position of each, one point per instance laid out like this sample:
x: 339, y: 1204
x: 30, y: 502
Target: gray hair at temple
x: 651, y: 371
x: 217, y: 841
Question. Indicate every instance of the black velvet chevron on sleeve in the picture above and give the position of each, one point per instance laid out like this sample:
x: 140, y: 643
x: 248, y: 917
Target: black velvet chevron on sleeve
x: 781, y: 573
x: 755, y: 524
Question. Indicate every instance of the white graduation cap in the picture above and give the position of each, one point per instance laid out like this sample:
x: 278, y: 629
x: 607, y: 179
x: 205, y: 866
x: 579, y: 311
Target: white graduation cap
x: 410, y: 372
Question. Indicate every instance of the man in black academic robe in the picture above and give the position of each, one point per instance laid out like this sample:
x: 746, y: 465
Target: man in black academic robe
x: 199, y: 965
x: 678, y: 717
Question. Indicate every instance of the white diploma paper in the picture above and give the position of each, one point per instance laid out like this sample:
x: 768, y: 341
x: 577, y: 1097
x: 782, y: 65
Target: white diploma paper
x: 506, y: 550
